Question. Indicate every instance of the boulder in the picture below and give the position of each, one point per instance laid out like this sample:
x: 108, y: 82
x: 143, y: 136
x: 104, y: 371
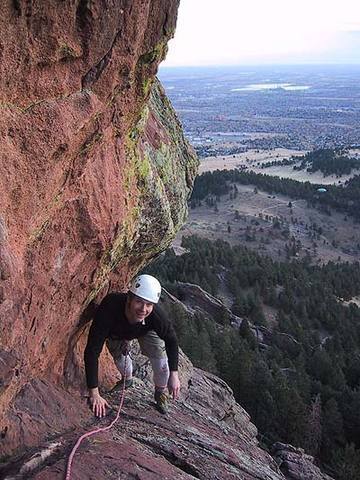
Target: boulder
x: 296, y: 464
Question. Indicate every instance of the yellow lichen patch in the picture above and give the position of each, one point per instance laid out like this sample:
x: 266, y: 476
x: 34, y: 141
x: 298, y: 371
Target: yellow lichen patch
x: 38, y: 233
x: 67, y: 52
x: 146, y: 85
x: 143, y: 167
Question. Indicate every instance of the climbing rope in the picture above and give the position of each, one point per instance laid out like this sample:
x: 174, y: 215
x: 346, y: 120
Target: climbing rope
x: 97, y: 430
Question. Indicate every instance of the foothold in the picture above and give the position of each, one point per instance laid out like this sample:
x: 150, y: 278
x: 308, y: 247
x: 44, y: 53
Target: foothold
x: 3, y: 433
x: 17, y: 373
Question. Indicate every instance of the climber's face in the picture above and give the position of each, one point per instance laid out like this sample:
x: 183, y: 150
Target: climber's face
x: 137, y: 309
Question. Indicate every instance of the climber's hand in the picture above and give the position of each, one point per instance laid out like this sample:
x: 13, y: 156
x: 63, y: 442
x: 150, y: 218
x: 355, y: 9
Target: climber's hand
x: 98, y: 404
x: 174, y: 384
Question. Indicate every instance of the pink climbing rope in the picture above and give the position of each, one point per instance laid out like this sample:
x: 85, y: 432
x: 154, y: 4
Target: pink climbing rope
x: 92, y: 432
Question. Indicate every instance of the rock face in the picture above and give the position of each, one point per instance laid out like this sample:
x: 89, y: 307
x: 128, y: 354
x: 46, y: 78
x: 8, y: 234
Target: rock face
x: 94, y: 177
x: 195, y: 298
x: 296, y: 464
x: 206, y: 435
x: 293, y: 462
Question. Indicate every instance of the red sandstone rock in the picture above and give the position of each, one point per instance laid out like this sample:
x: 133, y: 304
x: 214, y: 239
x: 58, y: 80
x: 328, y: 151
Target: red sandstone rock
x: 206, y: 435
x: 83, y: 188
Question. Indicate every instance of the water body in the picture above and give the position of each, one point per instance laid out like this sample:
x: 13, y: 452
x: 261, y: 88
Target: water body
x: 270, y: 86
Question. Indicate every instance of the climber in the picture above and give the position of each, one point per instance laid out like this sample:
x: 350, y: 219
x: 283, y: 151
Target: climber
x: 122, y: 317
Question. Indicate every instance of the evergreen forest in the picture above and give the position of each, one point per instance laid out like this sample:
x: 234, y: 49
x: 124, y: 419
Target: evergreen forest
x: 326, y: 160
x: 299, y: 375
x: 329, y: 161
x: 345, y: 198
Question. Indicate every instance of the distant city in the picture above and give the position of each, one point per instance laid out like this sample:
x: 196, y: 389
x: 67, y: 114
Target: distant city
x: 228, y: 110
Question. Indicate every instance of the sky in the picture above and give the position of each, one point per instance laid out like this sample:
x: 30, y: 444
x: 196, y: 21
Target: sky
x: 238, y: 32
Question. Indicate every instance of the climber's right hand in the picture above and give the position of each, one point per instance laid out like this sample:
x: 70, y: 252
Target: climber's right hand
x: 98, y: 404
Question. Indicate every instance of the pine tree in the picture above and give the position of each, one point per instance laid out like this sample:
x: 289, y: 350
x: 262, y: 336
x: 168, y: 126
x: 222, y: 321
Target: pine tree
x: 345, y: 463
x: 313, y: 432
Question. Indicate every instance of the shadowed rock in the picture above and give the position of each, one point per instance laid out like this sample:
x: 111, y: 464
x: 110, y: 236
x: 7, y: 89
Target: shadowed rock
x: 296, y: 464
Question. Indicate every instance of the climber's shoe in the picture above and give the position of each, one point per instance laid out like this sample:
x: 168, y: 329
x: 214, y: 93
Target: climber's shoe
x: 162, y: 401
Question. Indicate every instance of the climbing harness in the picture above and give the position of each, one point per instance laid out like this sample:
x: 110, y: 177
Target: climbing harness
x: 92, y: 432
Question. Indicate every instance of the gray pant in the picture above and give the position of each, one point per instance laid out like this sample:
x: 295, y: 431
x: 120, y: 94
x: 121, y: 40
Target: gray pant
x: 153, y: 347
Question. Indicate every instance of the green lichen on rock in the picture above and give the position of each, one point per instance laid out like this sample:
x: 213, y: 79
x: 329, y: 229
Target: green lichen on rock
x: 144, y: 168
x: 157, y: 183
x: 157, y: 54
x: 165, y: 171
x: 120, y: 249
x: 174, y: 159
x: 38, y: 232
x: 146, y: 86
x: 66, y: 52
x: 146, y: 63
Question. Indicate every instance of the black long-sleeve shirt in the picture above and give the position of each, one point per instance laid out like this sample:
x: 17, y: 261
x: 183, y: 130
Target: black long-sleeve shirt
x: 110, y: 322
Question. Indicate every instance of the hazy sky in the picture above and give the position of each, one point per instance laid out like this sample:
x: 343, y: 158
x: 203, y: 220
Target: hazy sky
x: 210, y: 32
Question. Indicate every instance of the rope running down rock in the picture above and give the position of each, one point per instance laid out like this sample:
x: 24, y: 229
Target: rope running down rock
x: 92, y: 432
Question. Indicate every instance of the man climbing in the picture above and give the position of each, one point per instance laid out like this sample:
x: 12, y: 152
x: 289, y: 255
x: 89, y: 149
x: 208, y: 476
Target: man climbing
x: 122, y: 317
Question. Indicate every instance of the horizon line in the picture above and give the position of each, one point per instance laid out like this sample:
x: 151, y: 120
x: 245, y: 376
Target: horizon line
x: 274, y: 64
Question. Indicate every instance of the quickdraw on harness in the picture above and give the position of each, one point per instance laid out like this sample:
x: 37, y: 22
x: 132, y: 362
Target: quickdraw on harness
x: 97, y: 430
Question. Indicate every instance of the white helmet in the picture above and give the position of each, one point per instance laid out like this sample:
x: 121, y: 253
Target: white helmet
x: 146, y: 287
